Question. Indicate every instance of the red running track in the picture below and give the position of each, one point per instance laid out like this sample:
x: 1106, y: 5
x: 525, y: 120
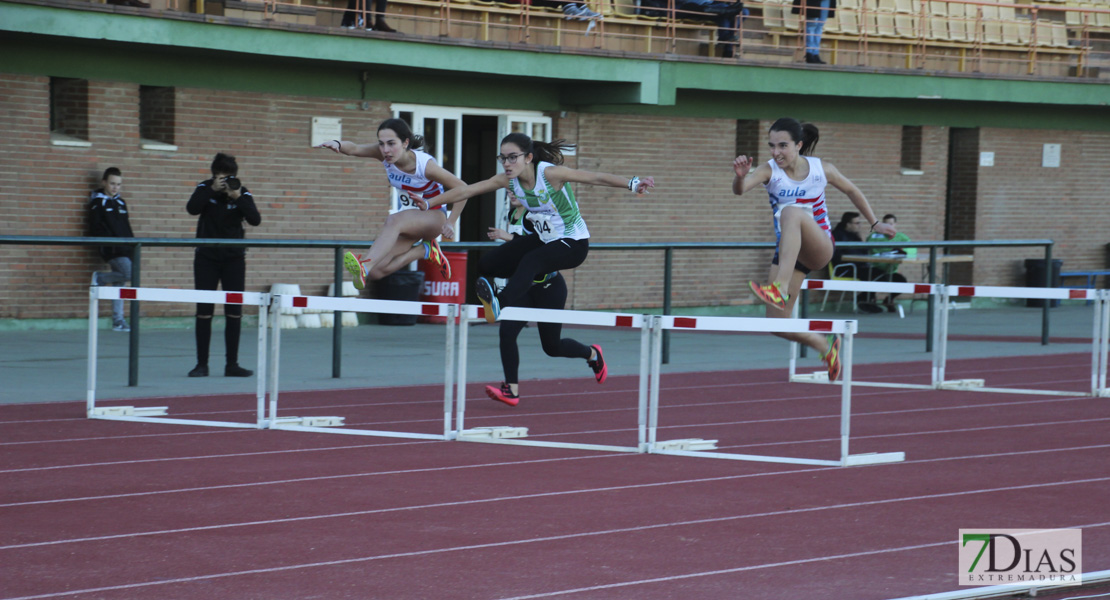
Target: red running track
x: 115, y: 510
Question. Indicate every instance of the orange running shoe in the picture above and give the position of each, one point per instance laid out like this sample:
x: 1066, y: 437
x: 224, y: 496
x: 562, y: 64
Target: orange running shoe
x: 434, y: 254
x: 832, y: 357
x: 771, y: 293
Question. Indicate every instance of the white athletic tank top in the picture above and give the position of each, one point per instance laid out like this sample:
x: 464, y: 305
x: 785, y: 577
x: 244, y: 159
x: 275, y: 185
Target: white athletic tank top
x: 554, y: 212
x: 810, y: 193
x: 417, y: 183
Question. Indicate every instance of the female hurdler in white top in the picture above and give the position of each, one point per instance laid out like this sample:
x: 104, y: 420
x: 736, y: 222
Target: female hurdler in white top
x: 415, y: 174
x: 533, y: 172
x: 795, y: 186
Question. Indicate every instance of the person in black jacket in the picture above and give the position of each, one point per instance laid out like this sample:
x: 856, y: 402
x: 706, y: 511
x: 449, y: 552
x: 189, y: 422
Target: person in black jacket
x: 108, y: 218
x: 851, y: 229
x: 222, y: 204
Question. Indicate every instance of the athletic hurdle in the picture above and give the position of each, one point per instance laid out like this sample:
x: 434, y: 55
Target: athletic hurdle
x: 157, y: 414
x: 886, y: 287
x: 518, y: 435
x: 698, y: 447
x: 333, y: 424
x: 1099, y: 334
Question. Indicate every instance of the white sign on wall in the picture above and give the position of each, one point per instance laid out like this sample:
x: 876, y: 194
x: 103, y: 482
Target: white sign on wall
x: 1050, y: 156
x: 325, y: 129
x: 986, y: 159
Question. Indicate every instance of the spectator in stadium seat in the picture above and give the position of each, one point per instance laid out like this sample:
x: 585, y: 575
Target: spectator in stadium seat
x: 815, y: 13
x: 352, y: 18
x: 221, y: 203
x: 108, y: 217
x: 724, y: 14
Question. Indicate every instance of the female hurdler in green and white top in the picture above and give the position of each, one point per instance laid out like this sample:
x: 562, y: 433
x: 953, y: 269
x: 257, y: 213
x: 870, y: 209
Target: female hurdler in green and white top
x: 534, y: 174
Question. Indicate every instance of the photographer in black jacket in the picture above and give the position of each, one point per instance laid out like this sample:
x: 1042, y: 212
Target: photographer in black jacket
x: 108, y: 218
x: 222, y: 204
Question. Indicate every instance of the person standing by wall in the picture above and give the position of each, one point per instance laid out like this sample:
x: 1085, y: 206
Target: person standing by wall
x: 221, y: 203
x: 108, y: 217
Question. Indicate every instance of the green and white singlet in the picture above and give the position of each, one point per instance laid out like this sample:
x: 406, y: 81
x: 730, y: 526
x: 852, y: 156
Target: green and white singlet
x: 554, y: 212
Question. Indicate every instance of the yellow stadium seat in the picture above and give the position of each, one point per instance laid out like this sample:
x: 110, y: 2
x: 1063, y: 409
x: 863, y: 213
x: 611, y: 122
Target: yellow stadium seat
x: 772, y: 16
x: 849, y: 21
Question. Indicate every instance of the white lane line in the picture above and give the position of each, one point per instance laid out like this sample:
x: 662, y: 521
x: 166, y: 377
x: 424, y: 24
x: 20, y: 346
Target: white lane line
x: 588, y: 534
x: 547, y: 494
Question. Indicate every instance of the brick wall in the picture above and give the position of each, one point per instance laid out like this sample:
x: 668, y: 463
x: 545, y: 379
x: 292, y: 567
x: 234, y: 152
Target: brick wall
x: 314, y: 194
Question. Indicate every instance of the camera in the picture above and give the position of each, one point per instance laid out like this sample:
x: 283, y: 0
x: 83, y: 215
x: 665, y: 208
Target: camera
x: 233, y: 182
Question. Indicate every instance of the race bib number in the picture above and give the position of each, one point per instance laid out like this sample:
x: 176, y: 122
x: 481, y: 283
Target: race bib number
x: 542, y: 223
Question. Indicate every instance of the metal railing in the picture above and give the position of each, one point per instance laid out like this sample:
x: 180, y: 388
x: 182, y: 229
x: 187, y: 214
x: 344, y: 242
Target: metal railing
x: 338, y: 246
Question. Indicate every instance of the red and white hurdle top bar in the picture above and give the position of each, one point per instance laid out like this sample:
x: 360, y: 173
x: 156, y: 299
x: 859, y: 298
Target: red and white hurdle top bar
x: 952, y: 290
x: 759, y: 324
x: 870, y: 286
x: 392, y: 307
x: 566, y: 317
x: 1021, y: 292
x: 186, y: 296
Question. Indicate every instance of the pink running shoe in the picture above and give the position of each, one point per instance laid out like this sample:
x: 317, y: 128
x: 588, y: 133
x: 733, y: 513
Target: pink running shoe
x: 504, y: 394
x: 598, y: 365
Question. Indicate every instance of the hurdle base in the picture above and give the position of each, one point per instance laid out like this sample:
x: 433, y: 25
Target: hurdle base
x: 873, y: 458
x: 496, y: 433
x: 815, y: 377
x: 129, y: 411
x: 961, y: 384
x: 691, y: 444
x: 280, y: 422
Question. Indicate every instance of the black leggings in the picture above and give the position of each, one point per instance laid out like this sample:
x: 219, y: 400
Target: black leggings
x: 550, y: 294
x: 525, y: 259
x: 208, y: 274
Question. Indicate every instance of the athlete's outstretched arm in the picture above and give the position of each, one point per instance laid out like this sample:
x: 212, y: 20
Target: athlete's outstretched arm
x: 353, y: 149
x: 465, y: 192
x: 558, y: 175
x: 746, y: 178
x: 845, y: 185
x: 449, y: 182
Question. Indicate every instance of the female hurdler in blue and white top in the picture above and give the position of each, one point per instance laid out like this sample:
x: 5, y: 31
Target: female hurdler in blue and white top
x: 415, y: 174
x: 795, y: 186
x: 533, y: 172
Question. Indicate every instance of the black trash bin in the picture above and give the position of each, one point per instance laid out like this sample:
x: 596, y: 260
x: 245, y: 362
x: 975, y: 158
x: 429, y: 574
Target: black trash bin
x: 401, y: 285
x: 1035, y: 275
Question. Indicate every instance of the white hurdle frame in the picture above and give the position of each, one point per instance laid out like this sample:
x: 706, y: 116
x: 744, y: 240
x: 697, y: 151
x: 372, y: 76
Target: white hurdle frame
x: 473, y: 313
x: 130, y: 413
x: 1098, y: 334
x: 870, y: 286
x: 393, y: 307
x: 766, y: 325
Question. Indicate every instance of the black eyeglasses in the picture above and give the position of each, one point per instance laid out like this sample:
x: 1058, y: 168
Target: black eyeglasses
x: 510, y: 158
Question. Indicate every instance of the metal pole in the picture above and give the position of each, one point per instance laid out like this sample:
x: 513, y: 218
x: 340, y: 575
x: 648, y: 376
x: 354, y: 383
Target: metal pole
x: 1047, y: 284
x: 337, y: 327
x: 929, y: 324
x: 133, y: 349
x: 668, y: 261
x: 803, y: 313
